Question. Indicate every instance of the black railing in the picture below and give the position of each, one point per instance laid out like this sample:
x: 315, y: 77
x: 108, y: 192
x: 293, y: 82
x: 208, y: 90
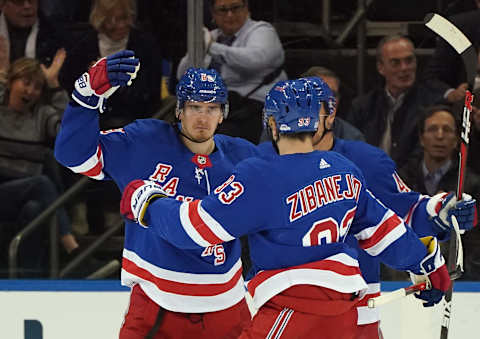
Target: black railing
x: 168, y: 105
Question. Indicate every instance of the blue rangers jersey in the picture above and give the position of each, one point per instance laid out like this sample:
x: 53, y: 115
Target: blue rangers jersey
x: 194, y: 280
x: 381, y: 178
x: 298, y: 210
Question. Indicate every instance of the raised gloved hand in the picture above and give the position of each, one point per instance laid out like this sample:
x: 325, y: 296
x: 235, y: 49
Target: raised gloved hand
x: 433, y: 270
x: 104, y: 78
x: 136, y: 197
x: 442, y: 206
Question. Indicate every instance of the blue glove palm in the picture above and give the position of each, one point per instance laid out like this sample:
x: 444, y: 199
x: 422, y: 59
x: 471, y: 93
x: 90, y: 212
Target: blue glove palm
x: 104, y: 78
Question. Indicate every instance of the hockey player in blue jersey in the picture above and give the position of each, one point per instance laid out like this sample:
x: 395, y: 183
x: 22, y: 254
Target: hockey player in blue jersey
x: 194, y: 293
x: 426, y: 215
x: 298, y: 209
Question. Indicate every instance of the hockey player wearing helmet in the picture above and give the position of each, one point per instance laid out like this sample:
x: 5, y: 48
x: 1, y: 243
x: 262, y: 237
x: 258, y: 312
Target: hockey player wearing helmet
x: 201, y: 106
x: 381, y: 177
x: 297, y: 207
x: 189, y: 293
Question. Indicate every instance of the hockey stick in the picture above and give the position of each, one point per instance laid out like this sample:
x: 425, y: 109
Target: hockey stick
x: 455, y: 38
x: 397, y: 294
x: 406, y: 291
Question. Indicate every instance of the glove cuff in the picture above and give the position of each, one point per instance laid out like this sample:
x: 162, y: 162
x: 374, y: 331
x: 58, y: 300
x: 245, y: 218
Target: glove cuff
x: 84, y: 95
x: 433, y: 259
x: 437, y: 208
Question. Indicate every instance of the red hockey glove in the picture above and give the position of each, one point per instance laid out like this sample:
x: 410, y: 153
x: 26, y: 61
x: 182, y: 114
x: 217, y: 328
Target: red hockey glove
x: 104, y: 78
x: 136, y: 197
x: 434, y: 271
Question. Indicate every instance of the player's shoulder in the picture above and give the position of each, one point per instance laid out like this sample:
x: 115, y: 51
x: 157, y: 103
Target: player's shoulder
x: 236, y: 148
x: 148, y: 128
x: 360, y: 151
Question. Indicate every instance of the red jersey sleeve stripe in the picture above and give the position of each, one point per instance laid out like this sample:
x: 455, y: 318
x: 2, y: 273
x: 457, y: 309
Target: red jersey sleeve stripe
x: 200, y: 226
x: 382, y: 230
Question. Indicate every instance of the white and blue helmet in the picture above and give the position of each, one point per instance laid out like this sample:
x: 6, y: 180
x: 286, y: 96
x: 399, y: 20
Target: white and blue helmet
x: 202, y: 85
x: 295, y: 105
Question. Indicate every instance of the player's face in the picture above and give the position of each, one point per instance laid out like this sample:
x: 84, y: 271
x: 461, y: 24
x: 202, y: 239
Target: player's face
x: 24, y: 93
x: 439, y: 138
x: 21, y: 13
x: 117, y: 24
x: 200, y: 119
x: 398, y: 65
x: 230, y: 15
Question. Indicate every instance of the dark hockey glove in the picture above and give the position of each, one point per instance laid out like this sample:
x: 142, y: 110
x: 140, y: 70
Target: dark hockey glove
x: 432, y: 269
x: 104, y: 78
x: 442, y: 206
x: 136, y: 197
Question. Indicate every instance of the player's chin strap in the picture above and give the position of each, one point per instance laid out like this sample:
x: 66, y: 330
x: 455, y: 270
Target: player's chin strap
x: 274, y: 142
x: 179, y: 131
x: 325, y: 130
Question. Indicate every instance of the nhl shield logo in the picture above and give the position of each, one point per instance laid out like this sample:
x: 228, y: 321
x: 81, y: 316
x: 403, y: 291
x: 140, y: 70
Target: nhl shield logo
x: 201, y: 160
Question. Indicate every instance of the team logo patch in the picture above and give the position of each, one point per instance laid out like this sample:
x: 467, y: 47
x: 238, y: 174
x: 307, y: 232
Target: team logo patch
x: 280, y: 89
x: 201, y: 161
x: 207, y: 77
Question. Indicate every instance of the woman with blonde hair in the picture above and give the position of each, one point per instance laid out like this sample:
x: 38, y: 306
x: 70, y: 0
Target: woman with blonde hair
x: 112, y: 29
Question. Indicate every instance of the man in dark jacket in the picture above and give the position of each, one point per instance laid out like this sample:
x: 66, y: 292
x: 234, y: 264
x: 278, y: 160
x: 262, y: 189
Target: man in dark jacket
x: 27, y: 33
x: 387, y: 115
x: 436, y: 171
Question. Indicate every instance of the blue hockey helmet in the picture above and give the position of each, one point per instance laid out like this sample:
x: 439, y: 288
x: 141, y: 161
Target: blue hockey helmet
x: 295, y: 106
x: 202, y: 85
x: 325, y: 94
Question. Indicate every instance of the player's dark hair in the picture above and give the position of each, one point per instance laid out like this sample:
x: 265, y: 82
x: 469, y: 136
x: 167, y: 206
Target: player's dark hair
x: 431, y: 110
x: 301, y: 136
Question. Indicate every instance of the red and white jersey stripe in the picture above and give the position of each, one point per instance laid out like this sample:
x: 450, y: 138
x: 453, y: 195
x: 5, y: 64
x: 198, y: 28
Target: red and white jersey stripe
x: 374, y: 240
x: 92, y: 167
x: 339, y: 272
x: 184, y: 292
x: 411, y: 211
x: 368, y: 315
x: 201, y: 226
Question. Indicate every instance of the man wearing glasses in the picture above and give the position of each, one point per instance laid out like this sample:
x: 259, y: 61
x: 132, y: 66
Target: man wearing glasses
x: 249, y: 56
x: 24, y: 33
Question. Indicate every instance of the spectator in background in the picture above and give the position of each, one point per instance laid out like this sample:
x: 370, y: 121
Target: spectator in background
x: 341, y: 128
x: 30, y: 116
x: 112, y: 30
x: 27, y: 33
x: 445, y: 70
x: 388, y: 115
x: 249, y: 56
x: 436, y: 170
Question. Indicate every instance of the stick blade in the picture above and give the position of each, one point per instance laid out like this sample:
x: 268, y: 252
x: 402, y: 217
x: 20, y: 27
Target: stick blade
x: 445, y: 29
